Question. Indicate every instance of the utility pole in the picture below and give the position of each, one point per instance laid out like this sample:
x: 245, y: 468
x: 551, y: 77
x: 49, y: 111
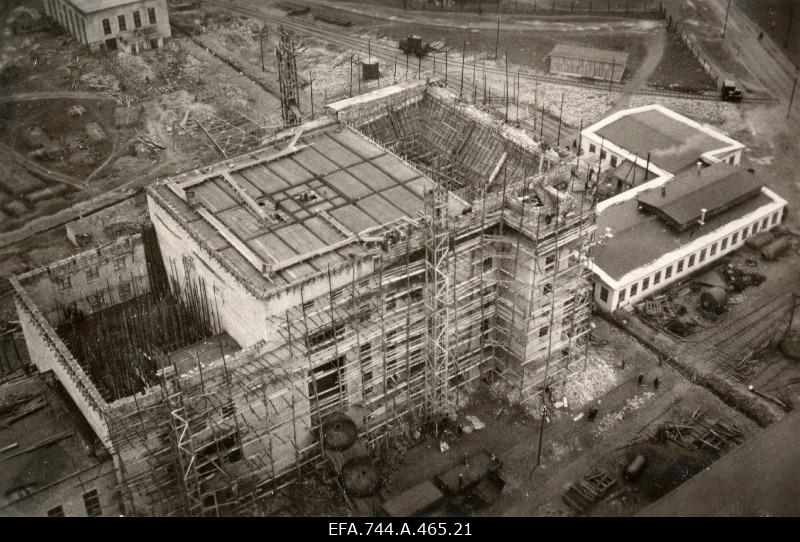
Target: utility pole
x: 262, y: 32
x: 483, y: 63
x: 474, y: 83
x: 311, y: 82
x: 791, y: 99
x: 463, y: 59
x: 497, y: 39
x: 506, y: 87
x: 727, y: 11
x: 541, y: 123
x: 789, y: 27
x: 560, y: 112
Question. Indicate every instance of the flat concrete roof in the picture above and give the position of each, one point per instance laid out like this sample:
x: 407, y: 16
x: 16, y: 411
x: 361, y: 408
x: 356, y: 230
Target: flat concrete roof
x: 640, y: 238
x: 318, y: 201
x: 673, y: 145
x: 761, y: 477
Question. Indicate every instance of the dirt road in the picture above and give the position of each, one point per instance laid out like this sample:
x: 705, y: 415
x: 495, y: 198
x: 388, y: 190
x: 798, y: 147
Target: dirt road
x: 488, y: 21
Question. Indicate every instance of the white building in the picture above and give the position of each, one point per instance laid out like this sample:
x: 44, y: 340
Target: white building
x: 671, y: 226
x: 656, y: 139
x: 127, y: 25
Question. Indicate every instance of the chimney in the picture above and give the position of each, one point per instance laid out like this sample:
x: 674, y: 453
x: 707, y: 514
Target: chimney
x: 699, y: 166
x: 703, y: 216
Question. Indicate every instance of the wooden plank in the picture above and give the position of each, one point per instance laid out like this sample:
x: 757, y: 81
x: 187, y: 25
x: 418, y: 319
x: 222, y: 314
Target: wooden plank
x: 255, y: 207
x: 237, y: 243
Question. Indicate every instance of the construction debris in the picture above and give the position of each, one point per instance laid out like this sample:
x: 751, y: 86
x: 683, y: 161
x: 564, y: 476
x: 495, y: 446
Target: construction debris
x: 591, y: 488
x: 698, y: 431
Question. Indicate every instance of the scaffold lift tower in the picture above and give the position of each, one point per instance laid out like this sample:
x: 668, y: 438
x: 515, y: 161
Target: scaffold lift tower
x: 437, y: 254
x: 287, y: 79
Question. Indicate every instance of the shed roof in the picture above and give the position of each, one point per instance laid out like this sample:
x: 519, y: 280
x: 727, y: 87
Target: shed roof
x: 715, y: 189
x: 50, y: 447
x: 563, y: 50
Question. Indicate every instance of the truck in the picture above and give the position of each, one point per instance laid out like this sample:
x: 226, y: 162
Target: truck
x: 413, y: 44
x: 729, y: 92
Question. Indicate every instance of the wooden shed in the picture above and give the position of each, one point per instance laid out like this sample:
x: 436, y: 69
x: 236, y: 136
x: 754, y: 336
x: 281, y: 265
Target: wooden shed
x: 587, y: 62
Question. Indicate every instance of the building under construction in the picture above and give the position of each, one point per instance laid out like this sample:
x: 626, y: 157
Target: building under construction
x: 380, y: 263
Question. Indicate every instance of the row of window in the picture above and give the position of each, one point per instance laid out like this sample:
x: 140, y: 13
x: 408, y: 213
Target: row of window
x: 91, y: 501
x: 688, y: 263
x: 122, y: 22
x: 65, y: 282
x: 593, y: 149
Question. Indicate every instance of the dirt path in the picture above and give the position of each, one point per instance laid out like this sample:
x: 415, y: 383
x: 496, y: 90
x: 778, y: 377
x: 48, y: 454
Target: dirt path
x: 554, y: 486
x: 488, y: 21
x: 763, y: 57
x: 655, y: 52
x: 52, y: 95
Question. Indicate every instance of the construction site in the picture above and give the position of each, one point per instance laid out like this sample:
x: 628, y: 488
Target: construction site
x: 307, y: 271
x: 387, y: 320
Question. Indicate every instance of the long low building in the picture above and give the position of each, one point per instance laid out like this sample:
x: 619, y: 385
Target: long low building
x: 127, y: 25
x: 669, y: 227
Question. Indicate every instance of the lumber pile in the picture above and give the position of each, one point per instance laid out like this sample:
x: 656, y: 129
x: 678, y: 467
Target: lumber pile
x: 588, y: 490
x: 150, y: 141
x: 698, y: 431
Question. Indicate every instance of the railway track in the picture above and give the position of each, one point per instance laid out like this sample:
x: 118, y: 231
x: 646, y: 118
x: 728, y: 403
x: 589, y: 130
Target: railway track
x: 544, y: 127
x: 454, y: 65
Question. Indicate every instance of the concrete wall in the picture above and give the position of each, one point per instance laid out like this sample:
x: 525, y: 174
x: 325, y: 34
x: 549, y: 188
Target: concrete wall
x: 115, y: 271
x: 49, y: 353
x: 240, y: 312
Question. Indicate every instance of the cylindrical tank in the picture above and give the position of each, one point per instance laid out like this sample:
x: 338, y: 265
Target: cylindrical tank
x: 635, y: 468
x: 775, y: 248
x: 714, y: 299
x: 359, y: 477
x: 338, y: 432
x: 760, y: 240
x: 370, y: 70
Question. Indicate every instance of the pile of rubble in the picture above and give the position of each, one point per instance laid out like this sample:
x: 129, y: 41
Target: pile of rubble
x: 738, y: 279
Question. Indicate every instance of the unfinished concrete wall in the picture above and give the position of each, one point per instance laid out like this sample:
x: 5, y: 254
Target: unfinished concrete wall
x: 89, y: 281
x: 49, y: 353
x: 241, y: 312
